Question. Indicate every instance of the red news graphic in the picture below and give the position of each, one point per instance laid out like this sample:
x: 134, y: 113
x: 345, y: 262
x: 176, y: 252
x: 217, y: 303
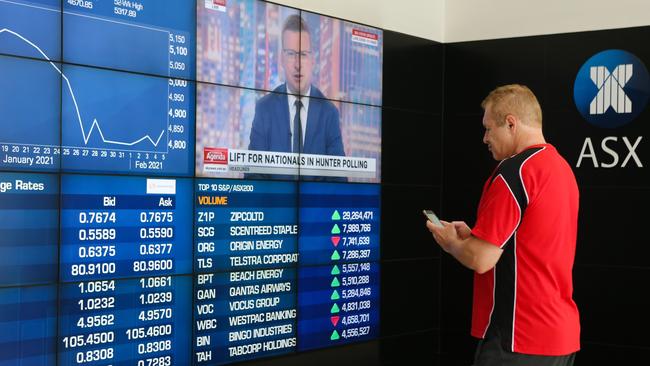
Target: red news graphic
x: 215, y: 158
x: 365, y: 37
x: 219, y: 5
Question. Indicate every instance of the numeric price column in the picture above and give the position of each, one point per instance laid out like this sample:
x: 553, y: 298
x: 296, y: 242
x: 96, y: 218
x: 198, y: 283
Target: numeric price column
x: 338, y: 276
x: 125, y: 270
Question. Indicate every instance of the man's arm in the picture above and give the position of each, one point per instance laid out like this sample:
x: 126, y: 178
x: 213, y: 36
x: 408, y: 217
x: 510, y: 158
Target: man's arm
x: 472, y: 252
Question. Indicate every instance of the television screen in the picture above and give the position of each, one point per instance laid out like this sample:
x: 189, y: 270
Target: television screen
x: 344, y: 58
x: 30, y: 96
x: 28, y: 319
x: 245, y: 224
x: 31, y: 28
x: 147, y: 36
x: 125, y: 321
x: 339, y: 274
x: 244, y: 133
x: 342, y: 309
x: 117, y: 122
x: 254, y: 317
x: 29, y: 228
x: 125, y: 269
x: 239, y: 42
x: 282, y: 56
x: 114, y: 227
x: 338, y: 221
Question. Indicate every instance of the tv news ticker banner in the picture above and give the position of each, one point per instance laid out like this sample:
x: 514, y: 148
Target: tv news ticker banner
x: 222, y: 160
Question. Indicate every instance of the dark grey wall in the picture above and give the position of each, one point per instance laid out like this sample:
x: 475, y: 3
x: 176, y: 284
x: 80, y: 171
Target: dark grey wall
x: 411, y: 182
x: 611, y: 272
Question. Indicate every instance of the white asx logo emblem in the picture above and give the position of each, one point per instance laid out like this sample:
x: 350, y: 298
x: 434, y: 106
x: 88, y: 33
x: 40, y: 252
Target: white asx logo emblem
x: 610, y: 89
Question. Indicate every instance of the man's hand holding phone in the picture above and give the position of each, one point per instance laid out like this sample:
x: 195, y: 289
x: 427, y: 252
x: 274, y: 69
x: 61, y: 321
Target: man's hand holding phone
x: 431, y: 216
x: 446, y: 233
x: 462, y: 229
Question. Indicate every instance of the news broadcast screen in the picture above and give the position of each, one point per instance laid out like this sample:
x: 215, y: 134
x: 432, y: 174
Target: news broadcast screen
x: 186, y: 182
x: 347, y: 58
x: 246, y: 133
x: 239, y: 42
x: 245, y: 43
x: 281, y: 55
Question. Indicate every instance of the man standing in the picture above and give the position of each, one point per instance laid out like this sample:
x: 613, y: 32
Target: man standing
x: 286, y: 122
x: 522, y: 247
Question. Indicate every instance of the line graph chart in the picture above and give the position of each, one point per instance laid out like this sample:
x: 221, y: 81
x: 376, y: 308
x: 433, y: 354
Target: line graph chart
x: 30, y: 96
x: 148, y: 36
x: 37, y: 20
x: 131, y: 102
x: 84, y: 119
x: 146, y: 120
x: 35, y: 136
x: 116, y: 121
x: 86, y: 133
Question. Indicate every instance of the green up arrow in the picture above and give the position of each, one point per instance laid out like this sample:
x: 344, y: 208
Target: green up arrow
x: 335, y: 256
x: 334, y: 336
x: 335, y: 295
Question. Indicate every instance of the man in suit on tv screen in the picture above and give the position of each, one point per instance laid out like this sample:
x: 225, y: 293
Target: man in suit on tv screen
x: 287, y: 120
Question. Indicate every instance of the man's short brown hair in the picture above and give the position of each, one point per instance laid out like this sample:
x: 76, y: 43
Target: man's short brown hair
x: 295, y: 23
x: 514, y: 99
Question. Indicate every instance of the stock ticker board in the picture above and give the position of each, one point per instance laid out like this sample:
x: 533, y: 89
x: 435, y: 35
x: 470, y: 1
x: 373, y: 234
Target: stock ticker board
x: 113, y: 250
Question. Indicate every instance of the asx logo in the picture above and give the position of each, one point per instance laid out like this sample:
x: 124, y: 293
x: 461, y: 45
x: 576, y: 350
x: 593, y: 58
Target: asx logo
x: 611, y: 89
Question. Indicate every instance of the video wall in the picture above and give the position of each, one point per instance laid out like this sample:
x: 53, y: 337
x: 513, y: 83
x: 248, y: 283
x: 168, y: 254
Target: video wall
x: 185, y: 182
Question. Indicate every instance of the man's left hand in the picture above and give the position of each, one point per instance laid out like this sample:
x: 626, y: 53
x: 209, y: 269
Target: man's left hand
x: 446, y: 236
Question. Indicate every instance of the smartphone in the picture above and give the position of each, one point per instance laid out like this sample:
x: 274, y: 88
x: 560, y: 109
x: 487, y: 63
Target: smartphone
x: 432, y: 217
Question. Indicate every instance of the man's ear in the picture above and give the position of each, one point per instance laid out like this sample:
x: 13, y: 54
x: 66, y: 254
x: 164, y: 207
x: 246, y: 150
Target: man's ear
x: 511, y: 122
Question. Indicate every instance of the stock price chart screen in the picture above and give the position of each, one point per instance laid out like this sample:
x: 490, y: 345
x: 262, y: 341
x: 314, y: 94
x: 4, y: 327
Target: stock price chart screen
x: 86, y: 117
x: 116, y: 248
